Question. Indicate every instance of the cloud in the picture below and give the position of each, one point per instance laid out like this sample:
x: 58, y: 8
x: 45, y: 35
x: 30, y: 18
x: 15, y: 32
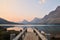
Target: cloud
x: 41, y: 1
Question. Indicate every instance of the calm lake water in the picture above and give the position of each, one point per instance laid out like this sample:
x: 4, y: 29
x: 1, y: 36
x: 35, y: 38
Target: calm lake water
x: 45, y: 28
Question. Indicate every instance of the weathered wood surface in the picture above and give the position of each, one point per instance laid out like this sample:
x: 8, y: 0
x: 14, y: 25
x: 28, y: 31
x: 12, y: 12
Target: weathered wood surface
x: 31, y: 36
x: 19, y: 35
x: 40, y: 35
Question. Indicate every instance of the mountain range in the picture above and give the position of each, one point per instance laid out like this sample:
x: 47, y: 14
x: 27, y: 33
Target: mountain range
x: 52, y: 18
x: 35, y: 20
x: 4, y: 21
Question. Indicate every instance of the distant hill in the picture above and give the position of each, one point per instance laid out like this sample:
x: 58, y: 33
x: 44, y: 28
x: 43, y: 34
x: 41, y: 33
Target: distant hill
x: 36, y: 20
x: 3, y: 21
x: 53, y: 17
x: 24, y: 22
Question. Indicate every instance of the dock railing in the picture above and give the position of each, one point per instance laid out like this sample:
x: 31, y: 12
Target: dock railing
x: 40, y: 34
x: 19, y: 36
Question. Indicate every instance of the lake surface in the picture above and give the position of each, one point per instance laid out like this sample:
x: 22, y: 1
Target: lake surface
x: 45, y: 28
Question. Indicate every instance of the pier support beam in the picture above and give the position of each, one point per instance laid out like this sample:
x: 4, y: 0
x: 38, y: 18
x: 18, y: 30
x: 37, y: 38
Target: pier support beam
x: 48, y: 36
x: 12, y: 36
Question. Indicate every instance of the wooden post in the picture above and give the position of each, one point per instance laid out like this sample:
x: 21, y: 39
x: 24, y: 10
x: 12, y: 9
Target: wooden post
x: 48, y: 36
x: 12, y: 36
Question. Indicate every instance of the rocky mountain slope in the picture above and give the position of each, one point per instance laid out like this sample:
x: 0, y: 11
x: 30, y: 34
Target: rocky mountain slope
x: 53, y: 17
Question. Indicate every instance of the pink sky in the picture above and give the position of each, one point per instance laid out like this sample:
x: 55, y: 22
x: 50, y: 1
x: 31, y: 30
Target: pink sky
x: 17, y: 10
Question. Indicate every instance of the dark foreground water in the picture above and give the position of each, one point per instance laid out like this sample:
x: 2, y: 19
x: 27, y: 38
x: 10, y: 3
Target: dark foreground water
x: 49, y: 29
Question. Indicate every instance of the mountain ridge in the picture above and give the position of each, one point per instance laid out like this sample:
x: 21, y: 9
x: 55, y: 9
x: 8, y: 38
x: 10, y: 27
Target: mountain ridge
x: 53, y: 17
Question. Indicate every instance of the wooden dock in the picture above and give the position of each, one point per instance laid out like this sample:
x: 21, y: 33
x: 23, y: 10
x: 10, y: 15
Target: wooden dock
x: 30, y: 34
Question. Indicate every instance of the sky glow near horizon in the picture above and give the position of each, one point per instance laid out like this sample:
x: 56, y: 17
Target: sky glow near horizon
x: 17, y: 10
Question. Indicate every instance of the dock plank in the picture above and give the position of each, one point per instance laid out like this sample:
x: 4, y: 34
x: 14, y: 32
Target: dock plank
x: 31, y: 36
